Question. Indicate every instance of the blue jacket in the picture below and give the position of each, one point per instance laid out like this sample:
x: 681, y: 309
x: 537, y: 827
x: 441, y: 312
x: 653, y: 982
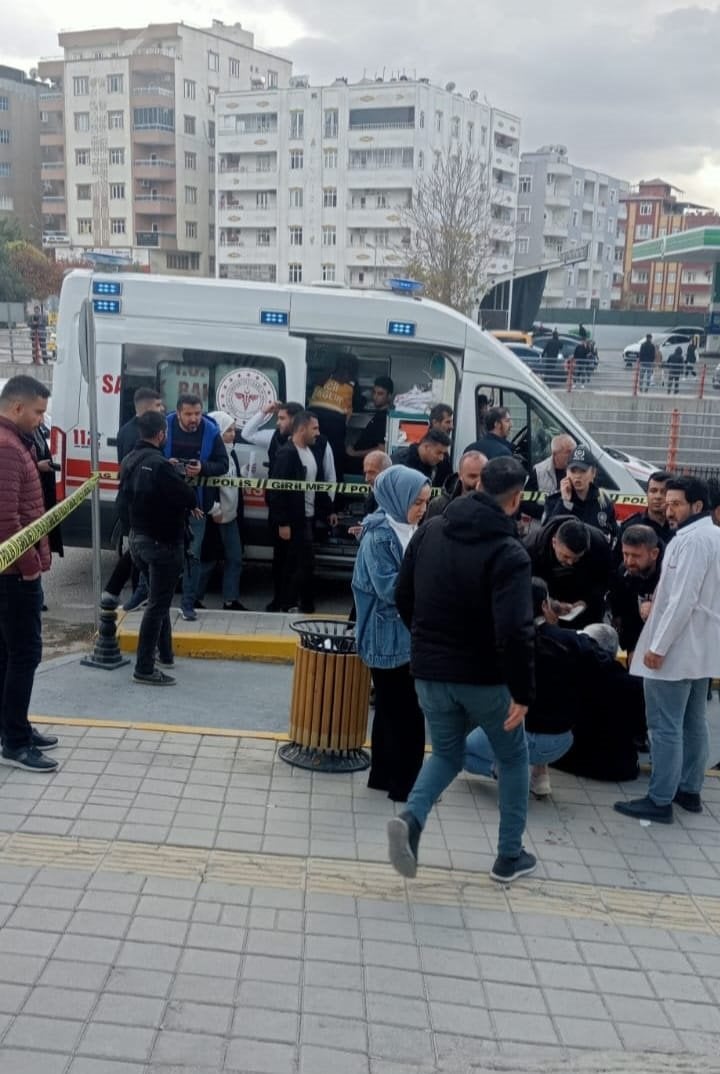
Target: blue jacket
x: 383, y: 639
x: 211, y: 453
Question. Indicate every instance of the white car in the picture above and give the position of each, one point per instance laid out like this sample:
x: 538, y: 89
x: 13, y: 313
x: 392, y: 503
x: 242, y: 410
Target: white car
x: 640, y: 469
x: 666, y: 343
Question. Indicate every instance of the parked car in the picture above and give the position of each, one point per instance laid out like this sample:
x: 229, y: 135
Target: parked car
x: 512, y: 336
x: 569, y: 343
x: 640, y: 469
x: 667, y: 345
x: 690, y: 330
x: 533, y: 359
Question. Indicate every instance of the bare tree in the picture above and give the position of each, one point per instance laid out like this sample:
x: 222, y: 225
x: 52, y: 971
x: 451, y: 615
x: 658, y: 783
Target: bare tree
x: 454, y: 223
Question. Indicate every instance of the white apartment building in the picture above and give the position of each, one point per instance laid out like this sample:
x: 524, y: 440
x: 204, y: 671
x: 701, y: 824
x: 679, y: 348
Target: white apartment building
x: 128, y: 139
x: 312, y: 182
x: 562, y: 206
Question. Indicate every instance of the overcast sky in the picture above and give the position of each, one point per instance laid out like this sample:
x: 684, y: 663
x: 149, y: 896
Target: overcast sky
x: 626, y: 85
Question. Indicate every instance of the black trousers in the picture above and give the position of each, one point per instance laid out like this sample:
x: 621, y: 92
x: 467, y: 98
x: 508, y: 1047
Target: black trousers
x: 398, y: 733
x: 162, y: 565
x: 20, y: 654
x: 123, y: 571
x: 294, y: 568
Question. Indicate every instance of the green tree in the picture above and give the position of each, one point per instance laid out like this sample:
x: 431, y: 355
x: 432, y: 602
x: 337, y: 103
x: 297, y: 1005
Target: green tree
x: 12, y: 286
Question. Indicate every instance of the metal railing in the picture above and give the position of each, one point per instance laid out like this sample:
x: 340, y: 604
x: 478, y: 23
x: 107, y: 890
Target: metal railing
x: 155, y: 197
x: 396, y: 126
x: 152, y: 91
x: 152, y: 238
x: 52, y: 164
x: 154, y: 163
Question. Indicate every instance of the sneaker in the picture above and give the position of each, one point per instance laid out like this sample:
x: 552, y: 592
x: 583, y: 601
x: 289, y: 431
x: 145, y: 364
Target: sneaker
x: 43, y: 742
x: 138, y: 599
x: 505, y: 870
x: 540, y: 781
x: 233, y: 606
x: 691, y: 803
x: 646, y: 809
x: 108, y: 600
x: 29, y: 758
x: 403, y: 838
x: 188, y: 613
x: 157, y: 678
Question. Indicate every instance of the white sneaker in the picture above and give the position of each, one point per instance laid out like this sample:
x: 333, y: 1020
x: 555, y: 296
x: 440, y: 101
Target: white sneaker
x: 540, y: 782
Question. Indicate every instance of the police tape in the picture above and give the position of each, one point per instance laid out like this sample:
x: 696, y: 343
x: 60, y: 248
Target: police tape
x: 14, y: 547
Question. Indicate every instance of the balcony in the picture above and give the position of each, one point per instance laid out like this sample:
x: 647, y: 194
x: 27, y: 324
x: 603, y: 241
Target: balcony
x: 165, y: 240
x: 247, y: 178
x: 237, y: 216
x: 157, y: 204
x: 154, y: 134
x: 153, y: 91
x: 52, y: 135
x: 154, y: 61
x: 52, y: 169
x: 159, y: 171
x: 373, y: 218
x: 555, y: 195
x: 366, y: 254
x: 556, y: 226
x: 247, y: 250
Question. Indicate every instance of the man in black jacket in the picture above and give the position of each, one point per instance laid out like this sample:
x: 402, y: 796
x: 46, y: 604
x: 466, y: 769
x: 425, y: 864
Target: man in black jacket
x: 292, y: 515
x: 426, y: 456
x: 463, y: 483
x: 654, y: 514
x: 581, y: 497
x: 154, y: 501
x: 574, y: 559
x: 634, y: 583
x: 128, y: 435
x: 498, y: 425
x: 646, y: 362
x: 464, y: 592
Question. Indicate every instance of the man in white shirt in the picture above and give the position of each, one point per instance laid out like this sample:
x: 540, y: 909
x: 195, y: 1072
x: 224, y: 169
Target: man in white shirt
x: 677, y: 653
x: 273, y: 439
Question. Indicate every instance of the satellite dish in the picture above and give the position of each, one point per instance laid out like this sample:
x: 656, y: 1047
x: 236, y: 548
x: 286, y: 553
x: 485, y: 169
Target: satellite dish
x: 474, y: 95
x: 449, y: 86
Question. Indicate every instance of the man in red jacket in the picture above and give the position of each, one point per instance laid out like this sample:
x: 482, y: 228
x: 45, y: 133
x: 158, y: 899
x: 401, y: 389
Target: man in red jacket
x: 23, y: 402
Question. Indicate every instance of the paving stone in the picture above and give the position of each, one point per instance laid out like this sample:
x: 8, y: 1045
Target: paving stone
x: 459, y: 1019
x: 204, y: 990
x: 333, y: 949
x: 261, y: 1057
x: 32, y: 1062
x: 156, y: 930
x: 272, y: 1025
x: 139, y: 982
x: 512, y: 970
x: 402, y: 1011
x: 393, y: 982
x: 401, y: 1043
x: 611, y: 954
x: 330, y: 1032
x: 658, y: 958
x: 84, y: 1065
x: 129, y: 1010
x: 641, y: 1038
x: 623, y: 982
x: 103, y: 1039
x: 38, y: 918
x: 681, y: 986
x: 91, y: 923
x: 27, y: 942
x: 20, y: 969
x: 585, y: 1033
x: 74, y: 975
x: 264, y: 968
x: 700, y: 1016
x: 513, y: 1026
x: 507, y: 997
x: 53, y: 898
x: 87, y: 949
x: 402, y: 956
x: 59, y: 1003
x: 57, y: 1034
x: 455, y: 990
x: 166, y: 908
x: 343, y: 925
x: 314, y: 1060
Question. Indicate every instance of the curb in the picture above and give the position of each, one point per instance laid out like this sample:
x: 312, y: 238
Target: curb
x: 268, y: 648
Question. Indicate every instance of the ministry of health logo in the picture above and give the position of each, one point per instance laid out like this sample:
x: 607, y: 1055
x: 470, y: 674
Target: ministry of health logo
x: 243, y: 392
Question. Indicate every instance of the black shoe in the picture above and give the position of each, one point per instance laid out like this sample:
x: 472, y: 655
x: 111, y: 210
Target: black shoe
x: 157, y: 678
x: 403, y: 838
x: 691, y: 803
x: 44, y: 608
x: 29, y: 758
x: 168, y: 664
x: 43, y: 742
x: 646, y: 809
x: 505, y: 870
x: 233, y: 606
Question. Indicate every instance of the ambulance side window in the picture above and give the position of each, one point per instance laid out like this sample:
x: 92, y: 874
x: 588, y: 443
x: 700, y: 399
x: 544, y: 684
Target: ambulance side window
x: 533, y: 426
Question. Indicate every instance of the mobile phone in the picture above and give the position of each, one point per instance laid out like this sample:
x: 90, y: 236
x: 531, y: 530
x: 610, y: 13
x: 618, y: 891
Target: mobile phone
x: 56, y: 466
x: 574, y: 612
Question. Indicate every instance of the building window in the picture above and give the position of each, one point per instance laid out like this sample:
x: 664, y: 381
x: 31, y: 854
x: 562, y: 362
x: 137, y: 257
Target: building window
x: 328, y: 273
x: 117, y: 225
x: 297, y: 124
x: 523, y: 214
x: 211, y: 232
x: 213, y: 60
x: 262, y: 238
x: 191, y: 161
x: 84, y: 192
x: 7, y: 203
x: 329, y: 236
x: 211, y: 164
x: 330, y: 123
x: 296, y: 198
x: 613, y: 196
x: 211, y: 198
x: 689, y: 277
x: 294, y: 272
x: 688, y: 300
x: 4, y: 104
x: 438, y: 121
x: 638, y: 299
x: 421, y: 159
x: 82, y: 157
x: 645, y: 208
x: 421, y: 121
x: 264, y: 162
x: 330, y: 158
x: 330, y: 197
x: 470, y: 133
x: 296, y: 160
x: 525, y: 185
x: 262, y: 199
x: 116, y: 121
x: 162, y: 119
x: 115, y: 85
x: 189, y: 124
x: 4, y: 169
x: 523, y: 246
x: 84, y: 225
x: 296, y: 236
x: 182, y: 261
x: 190, y: 229
x: 117, y: 191
x: 116, y: 156
x: 191, y: 195
x: 272, y: 79
x: 643, y: 231
x: 189, y: 89
x: 571, y: 277
x: 234, y: 68
x: 639, y: 276
x: 81, y: 86
x: 455, y: 127
x: 483, y: 136
x: 81, y: 121
x: 671, y: 277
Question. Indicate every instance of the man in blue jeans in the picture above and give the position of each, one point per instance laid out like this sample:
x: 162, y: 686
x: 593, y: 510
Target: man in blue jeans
x: 677, y: 654
x: 464, y: 591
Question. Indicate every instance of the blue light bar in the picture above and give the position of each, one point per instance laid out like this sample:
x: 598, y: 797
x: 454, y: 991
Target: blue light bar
x: 405, y: 287
x: 106, y: 305
x: 273, y: 317
x: 106, y: 287
x: 401, y: 328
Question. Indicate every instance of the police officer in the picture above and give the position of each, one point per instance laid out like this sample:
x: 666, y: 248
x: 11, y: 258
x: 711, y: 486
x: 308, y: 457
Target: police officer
x: 581, y: 497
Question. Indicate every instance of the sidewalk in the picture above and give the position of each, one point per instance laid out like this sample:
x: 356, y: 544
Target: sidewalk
x: 185, y: 904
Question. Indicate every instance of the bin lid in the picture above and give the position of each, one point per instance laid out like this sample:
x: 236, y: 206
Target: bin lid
x: 328, y: 635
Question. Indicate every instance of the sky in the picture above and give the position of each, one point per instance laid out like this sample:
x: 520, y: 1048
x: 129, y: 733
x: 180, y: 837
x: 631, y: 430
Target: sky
x: 626, y: 85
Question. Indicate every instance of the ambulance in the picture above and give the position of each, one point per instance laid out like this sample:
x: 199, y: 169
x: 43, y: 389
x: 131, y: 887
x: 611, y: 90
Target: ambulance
x: 240, y: 346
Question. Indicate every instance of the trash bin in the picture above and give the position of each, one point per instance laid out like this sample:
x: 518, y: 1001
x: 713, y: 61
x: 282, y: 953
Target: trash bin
x: 330, y: 696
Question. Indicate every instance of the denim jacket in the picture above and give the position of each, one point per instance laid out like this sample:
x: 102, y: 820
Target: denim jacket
x: 383, y: 639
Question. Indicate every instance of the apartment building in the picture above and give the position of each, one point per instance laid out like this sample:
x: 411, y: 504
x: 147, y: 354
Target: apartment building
x: 653, y: 211
x: 313, y: 182
x: 127, y: 135
x: 20, y: 151
x: 562, y: 207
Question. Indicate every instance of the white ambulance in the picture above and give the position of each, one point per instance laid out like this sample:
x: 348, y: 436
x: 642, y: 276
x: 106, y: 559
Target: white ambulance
x: 242, y: 345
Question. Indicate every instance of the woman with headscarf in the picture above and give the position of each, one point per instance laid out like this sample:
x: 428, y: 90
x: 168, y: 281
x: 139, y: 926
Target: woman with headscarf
x: 223, y: 541
x: 398, y: 730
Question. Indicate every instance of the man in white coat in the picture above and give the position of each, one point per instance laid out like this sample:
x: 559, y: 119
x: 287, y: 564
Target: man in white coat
x: 677, y: 653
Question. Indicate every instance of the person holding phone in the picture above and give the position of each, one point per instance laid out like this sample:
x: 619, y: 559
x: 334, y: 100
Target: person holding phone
x: 581, y: 497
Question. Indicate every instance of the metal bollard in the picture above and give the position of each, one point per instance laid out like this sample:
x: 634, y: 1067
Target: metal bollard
x: 106, y: 654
